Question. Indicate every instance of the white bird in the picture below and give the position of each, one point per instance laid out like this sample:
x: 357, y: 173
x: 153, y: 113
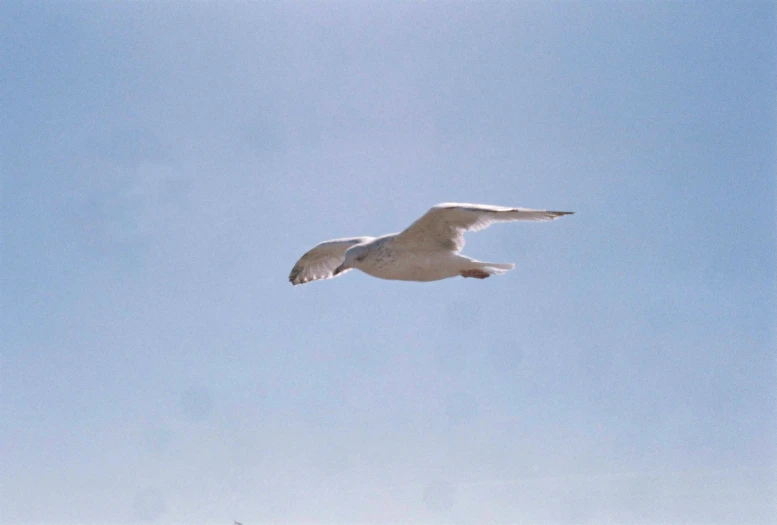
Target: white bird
x: 428, y: 250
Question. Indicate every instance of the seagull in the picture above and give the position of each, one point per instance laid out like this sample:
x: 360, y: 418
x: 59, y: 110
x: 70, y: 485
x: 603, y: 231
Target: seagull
x: 427, y: 250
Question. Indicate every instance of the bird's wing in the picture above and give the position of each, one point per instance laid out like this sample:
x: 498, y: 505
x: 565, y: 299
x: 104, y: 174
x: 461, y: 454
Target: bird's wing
x: 321, y: 261
x: 443, y: 226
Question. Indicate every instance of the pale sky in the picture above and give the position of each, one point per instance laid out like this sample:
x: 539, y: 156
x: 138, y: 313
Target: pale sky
x: 164, y: 165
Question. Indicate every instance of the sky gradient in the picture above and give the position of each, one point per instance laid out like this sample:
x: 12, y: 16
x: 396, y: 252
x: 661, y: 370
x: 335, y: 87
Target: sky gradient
x: 164, y: 166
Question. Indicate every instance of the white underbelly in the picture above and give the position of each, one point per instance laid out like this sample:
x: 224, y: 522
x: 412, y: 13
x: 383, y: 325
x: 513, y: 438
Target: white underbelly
x: 414, y: 268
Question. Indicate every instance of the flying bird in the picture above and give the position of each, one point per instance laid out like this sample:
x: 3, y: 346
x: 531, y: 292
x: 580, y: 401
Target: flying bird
x: 427, y: 250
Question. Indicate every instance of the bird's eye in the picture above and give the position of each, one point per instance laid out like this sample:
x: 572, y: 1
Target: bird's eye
x: 361, y: 258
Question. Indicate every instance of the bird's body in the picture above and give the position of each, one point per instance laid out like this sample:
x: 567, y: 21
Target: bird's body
x: 428, y: 250
x: 387, y: 259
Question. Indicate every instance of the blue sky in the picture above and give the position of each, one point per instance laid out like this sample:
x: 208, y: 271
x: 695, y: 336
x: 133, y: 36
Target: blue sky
x: 164, y: 165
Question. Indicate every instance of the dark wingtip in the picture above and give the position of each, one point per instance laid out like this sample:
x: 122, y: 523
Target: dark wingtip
x: 294, y: 274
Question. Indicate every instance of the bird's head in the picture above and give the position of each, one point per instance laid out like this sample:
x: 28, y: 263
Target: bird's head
x: 354, y: 256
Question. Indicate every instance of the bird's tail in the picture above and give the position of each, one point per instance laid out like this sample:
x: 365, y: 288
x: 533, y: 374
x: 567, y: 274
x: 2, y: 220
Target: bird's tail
x: 497, y: 268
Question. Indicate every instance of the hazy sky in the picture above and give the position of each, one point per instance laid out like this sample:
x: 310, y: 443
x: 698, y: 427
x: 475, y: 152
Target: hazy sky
x: 165, y: 164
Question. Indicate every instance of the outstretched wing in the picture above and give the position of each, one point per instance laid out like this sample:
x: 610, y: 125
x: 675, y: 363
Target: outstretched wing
x: 443, y: 226
x: 321, y: 261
